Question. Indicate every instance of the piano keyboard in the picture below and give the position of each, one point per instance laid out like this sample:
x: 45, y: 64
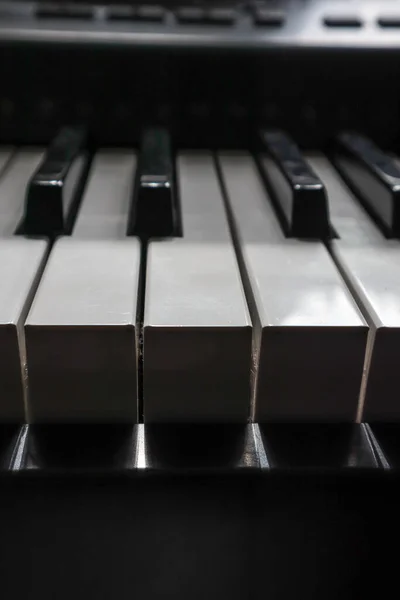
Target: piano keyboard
x: 198, y: 287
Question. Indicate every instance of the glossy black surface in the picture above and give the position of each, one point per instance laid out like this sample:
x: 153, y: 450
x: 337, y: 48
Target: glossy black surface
x: 298, y: 76
x: 200, y: 448
x: 374, y: 176
x: 79, y: 448
x: 189, y: 82
x: 121, y: 515
x: 54, y: 190
x: 298, y: 193
x: 304, y: 24
x: 386, y: 437
x: 117, y: 449
x: 10, y: 444
x: 154, y: 207
x: 123, y: 512
x: 248, y: 537
x: 323, y: 447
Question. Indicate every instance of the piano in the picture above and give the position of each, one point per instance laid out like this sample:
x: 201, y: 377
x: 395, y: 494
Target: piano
x: 200, y: 299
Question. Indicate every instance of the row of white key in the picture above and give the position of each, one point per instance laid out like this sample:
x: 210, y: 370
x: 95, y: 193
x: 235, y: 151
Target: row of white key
x: 370, y: 264
x: 21, y: 263
x: 309, y: 336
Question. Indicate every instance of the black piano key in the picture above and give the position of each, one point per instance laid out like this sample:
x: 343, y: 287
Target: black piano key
x: 55, y: 188
x: 154, y: 211
x: 373, y: 176
x: 297, y: 191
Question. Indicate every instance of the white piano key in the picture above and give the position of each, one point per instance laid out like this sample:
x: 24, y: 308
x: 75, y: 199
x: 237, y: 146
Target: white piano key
x: 104, y: 212
x: 310, y: 337
x: 371, y: 265
x: 21, y: 263
x: 81, y: 329
x: 197, y: 330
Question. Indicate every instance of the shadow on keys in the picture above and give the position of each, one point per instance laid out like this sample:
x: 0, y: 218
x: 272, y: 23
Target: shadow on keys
x: 80, y: 448
x: 325, y: 447
x: 197, y: 447
x: 120, y: 448
x: 208, y: 448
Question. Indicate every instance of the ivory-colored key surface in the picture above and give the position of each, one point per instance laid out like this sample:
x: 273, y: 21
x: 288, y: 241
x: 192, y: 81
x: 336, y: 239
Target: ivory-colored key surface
x: 371, y: 265
x: 310, y: 337
x: 81, y: 330
x: 197, y: 330
x: 104, y: 212
x: 21, y: 262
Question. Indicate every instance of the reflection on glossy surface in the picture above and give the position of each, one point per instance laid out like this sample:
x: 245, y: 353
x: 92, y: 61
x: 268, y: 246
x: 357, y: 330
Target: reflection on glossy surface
x: 374, y: 176
x: 320, y: 447
x: 12, y: 443
x: 370, y: 265
x: 163, y: 449
x: 54, y: 189
x: 296, y: 290
x: 310, y: 337
x: 298, y: 192
x: 375, y: 268
x: 154, y: 209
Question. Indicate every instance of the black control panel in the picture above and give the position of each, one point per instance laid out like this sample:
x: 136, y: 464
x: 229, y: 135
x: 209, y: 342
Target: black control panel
x: 213, y: 74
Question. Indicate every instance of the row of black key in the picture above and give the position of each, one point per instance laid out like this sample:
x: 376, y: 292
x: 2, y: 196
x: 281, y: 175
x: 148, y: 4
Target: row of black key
x: 55, y: 189
x: 298, y: 194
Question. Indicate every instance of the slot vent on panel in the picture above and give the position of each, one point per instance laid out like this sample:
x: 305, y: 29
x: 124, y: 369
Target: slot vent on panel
x: 389, y: 22
x: 64, y: 11
x: 342, y: 22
